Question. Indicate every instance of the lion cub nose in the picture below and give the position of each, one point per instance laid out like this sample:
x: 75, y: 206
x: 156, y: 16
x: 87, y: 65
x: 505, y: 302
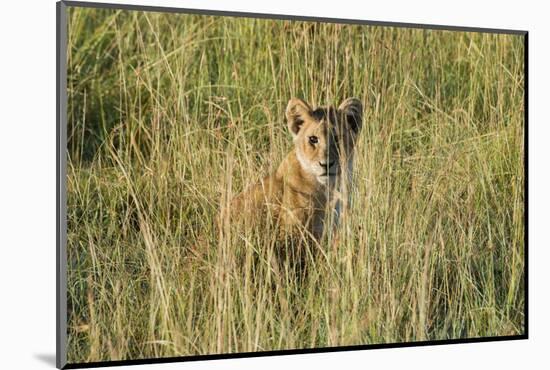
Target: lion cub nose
x: 327, y: 165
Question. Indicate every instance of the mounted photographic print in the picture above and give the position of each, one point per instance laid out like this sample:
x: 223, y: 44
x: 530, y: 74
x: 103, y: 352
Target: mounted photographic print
x: 234, y: 184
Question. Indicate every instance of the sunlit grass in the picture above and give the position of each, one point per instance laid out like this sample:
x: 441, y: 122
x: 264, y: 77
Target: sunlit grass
x: 171, y: 114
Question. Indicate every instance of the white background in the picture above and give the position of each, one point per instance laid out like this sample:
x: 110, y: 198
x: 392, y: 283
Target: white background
x: 27, y: 182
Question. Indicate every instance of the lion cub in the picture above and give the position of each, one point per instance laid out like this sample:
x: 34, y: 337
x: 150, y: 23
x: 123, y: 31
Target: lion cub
x: 312, y: 179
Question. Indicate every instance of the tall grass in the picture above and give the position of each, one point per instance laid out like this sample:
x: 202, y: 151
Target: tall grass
x: 171, y: 114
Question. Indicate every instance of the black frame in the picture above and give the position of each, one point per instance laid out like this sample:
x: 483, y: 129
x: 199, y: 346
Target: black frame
x: 61, y: 206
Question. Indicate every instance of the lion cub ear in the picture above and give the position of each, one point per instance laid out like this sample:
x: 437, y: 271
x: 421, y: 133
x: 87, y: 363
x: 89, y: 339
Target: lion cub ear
x: 352, y: 108
x: 296, y: 112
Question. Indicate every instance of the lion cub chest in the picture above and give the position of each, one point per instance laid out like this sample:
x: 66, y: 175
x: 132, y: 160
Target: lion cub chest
x: 287, y: 199
x: 303, y: 214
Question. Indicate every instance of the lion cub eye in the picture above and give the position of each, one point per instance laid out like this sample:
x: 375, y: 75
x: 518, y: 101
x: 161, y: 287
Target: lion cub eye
x: 313, y: 140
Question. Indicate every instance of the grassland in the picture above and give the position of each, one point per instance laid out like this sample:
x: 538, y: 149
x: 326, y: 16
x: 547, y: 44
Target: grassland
x: 168, y: 114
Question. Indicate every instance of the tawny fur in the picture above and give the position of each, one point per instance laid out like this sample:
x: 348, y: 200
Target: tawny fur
x: 309, y: 181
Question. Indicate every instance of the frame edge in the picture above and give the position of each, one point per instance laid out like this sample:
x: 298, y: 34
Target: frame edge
x: 61, y: 207
x: 293, y: 17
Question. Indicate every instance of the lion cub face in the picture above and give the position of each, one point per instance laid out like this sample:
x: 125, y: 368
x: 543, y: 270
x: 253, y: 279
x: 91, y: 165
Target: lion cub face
x: 324, y: 137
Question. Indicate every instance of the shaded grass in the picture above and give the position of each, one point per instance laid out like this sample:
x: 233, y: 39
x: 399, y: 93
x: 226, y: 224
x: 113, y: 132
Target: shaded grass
x: 171, y: 114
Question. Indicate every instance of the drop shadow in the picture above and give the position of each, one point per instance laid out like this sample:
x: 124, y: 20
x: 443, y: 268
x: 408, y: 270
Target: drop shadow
x: 47, y: 358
